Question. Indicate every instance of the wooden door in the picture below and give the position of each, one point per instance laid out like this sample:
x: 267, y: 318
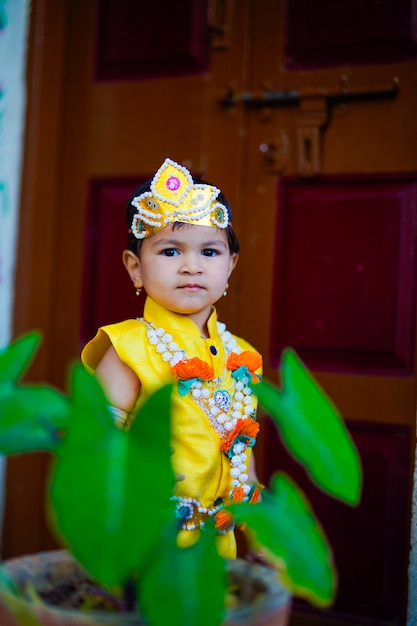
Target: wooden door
x: 321, y: 173
x: 114, y: 87
x: 329, y: 266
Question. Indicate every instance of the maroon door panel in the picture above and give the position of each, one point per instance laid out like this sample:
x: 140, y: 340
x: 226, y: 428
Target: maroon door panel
x: 325, y: 33
x: 108, y: 294
x: 344, y: 280
x: 141, y: 39
x: 370, y: 542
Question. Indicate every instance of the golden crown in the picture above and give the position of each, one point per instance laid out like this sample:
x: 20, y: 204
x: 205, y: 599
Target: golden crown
x: 174, y: 197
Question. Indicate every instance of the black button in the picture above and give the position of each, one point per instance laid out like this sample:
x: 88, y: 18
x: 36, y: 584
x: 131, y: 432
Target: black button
x: 213, y: 350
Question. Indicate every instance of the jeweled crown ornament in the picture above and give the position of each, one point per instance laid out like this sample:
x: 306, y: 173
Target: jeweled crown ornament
x: 174, y: 197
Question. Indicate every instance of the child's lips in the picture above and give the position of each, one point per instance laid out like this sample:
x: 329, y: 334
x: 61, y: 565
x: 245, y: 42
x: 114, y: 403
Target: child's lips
x: 191, y: 287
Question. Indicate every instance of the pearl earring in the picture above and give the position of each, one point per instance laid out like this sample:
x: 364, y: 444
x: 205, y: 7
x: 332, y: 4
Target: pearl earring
x: 138, y: 290
x: 225, y: 291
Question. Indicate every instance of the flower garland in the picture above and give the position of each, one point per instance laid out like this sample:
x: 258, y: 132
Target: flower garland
x: 227, y: 402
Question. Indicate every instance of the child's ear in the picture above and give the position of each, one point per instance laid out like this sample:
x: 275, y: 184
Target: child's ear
x: 233, y: 260
x: 132, y: 264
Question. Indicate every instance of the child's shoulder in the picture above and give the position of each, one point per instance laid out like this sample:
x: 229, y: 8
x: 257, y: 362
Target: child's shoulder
x: 119, y: 335
x: 117, y: 330
x: 122, y: 327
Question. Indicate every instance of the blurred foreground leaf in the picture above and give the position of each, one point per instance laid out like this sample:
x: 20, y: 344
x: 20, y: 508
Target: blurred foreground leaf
x: 15, y: 358
x: 285, y: 525
x: 312, y: 430
x: 112, y: 516
x: 32, y: 417
x: 184, y: 586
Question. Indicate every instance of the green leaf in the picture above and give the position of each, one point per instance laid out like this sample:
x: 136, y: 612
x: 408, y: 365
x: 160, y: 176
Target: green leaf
x: 111, y: 517
x: 32, y: 418
x: 15, y: 358
x: 312, y: 430
x: 283, y: 523
x: 184, y: 586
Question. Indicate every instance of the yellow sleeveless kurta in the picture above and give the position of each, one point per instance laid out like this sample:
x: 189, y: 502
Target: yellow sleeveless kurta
x: 197, y: 455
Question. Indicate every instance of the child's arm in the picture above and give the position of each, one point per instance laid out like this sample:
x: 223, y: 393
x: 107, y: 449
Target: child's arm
x: 121, y: 384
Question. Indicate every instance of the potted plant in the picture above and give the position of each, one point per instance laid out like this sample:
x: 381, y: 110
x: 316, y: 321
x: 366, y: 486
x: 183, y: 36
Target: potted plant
x: 109, y: 502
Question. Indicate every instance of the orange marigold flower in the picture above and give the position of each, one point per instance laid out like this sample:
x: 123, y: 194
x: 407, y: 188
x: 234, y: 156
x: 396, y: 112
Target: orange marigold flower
x: 256, y: 495
x: 252, y: 360
x: 244, y: 427
x: 224, y: 520
x: 238, y: 494
x: 193, y: 368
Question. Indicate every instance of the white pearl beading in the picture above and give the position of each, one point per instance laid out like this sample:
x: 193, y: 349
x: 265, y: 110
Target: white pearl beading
x: 186, y: 202
x: 224, y: 421
x: 195, y: 512
x: 170, y: 351
x: 204, y: 392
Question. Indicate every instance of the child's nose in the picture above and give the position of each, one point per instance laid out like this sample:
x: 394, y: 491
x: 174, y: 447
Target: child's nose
x: 191, y: 264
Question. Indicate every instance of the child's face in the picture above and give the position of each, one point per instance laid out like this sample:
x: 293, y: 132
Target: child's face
x: 186, y: 269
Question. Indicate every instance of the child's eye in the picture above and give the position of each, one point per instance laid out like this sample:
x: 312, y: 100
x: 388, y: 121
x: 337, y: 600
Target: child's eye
x: 210, y: 252
x: 170, y: 252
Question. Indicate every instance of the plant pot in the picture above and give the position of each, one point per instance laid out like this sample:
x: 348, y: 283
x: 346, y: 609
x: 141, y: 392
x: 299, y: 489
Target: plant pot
x: 263, y: 601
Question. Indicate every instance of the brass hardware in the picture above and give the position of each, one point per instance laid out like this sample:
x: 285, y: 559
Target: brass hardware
x: 220, y: 20
x: 341, y: 93
x: 261, y: 99
x: 311, y: 117
x: 276, y: 151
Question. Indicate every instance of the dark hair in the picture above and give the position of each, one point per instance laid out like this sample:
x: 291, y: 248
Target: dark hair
x: 135, y: 245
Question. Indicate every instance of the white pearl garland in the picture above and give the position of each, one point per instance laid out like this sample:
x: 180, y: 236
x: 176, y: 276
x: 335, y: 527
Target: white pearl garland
x: 192, y: 512
x: 164, y: 345
x: 223, y: 421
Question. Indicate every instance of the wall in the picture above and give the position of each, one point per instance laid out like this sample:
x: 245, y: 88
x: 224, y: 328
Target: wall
x: 14, y: 16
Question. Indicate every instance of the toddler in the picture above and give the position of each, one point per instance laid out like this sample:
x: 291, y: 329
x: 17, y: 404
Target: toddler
x: 182, y: 250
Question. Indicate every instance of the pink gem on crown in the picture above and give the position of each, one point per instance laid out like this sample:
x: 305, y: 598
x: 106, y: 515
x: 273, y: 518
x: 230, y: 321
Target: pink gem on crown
x: 173, y: 183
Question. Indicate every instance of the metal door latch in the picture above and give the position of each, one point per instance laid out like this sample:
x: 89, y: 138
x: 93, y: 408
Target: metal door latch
x: 312, y: 114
